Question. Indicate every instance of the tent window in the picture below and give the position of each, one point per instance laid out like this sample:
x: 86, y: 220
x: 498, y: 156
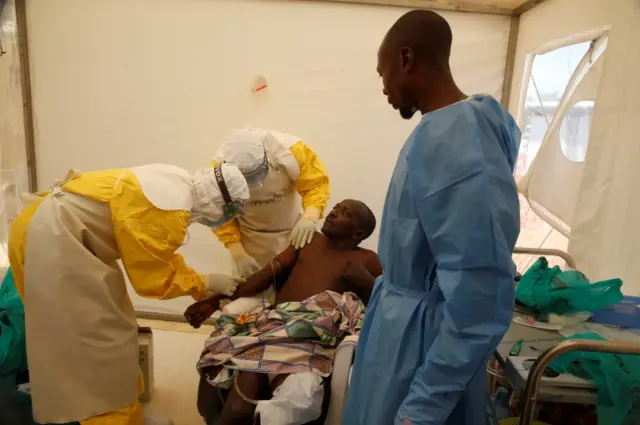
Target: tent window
x: 550, y: 76
x: 574, y: 131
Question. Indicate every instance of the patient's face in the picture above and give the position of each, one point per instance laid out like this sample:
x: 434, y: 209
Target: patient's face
x: 342, y: 221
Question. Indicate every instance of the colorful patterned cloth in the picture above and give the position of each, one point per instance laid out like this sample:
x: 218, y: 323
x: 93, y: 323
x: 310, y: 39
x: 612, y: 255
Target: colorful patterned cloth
x: 294, y: 337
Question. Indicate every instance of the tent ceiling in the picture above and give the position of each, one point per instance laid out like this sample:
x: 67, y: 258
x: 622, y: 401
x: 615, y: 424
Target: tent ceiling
x: 498, y: 7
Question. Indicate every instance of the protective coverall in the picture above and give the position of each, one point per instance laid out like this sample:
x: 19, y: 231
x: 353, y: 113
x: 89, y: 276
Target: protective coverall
x: 445, y: 300
x: 273, y: 210
x: 82, y: 341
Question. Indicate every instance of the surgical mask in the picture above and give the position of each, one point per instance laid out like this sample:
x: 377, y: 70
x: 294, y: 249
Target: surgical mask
x: 218, y: 222
x: 213, y: 224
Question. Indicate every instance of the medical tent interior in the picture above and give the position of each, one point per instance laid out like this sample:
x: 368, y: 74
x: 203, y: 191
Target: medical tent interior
x: 93, y: 84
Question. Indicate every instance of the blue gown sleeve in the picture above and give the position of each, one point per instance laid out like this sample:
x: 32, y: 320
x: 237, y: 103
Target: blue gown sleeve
x: 467, y: 204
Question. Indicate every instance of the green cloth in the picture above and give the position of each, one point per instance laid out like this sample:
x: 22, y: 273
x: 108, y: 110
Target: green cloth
x: 13, y: 348
x: 551, y: 290
x: 616, y: 376
x: 15, y: 408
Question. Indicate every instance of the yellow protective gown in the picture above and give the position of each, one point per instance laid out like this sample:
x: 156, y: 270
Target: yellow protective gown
x: 81, y: 328
x: 273, y: 209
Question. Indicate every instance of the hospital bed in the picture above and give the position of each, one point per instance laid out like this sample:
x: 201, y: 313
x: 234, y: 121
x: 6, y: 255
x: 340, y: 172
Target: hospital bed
x: 528, y: 374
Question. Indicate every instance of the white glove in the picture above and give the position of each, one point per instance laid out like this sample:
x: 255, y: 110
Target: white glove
x: 303, y: 233
x: 224, y: 284
x: 305, y: 229
x: 246, y: 264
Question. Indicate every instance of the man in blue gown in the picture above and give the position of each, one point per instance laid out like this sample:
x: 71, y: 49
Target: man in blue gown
x: 450, y: 223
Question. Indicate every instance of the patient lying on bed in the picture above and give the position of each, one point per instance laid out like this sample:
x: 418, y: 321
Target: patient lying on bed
x: 317, y: 302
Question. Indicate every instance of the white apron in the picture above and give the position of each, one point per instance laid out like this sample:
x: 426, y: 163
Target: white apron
x: 272, y: 211
x: 81, y: 331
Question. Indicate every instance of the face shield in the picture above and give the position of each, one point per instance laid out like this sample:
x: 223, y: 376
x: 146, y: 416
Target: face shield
x: 255, y: 178
x: 220, y: 194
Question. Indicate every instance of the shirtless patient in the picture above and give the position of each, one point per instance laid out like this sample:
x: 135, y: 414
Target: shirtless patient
x: 333, y: 261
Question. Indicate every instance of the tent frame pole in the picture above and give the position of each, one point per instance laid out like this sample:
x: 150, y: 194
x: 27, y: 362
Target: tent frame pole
x: 527, y: 6
x: 27, y: 100
x: 449, y: 5
x: 446, y: 5
x: 512, y: 45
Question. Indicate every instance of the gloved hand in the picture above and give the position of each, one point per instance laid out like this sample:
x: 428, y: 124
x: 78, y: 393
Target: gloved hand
x: 305, y: 229
x: 224, y: 284
x: 247, y: 265
x: 303, y: 233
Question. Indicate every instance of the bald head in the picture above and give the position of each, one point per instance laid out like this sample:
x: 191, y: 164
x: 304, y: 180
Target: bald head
x: 413, y: 62
x: 426, y: 34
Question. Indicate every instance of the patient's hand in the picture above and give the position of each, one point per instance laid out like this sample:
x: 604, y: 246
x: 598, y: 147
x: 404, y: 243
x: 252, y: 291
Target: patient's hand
x: 357, y: 275
x: 197, y: 313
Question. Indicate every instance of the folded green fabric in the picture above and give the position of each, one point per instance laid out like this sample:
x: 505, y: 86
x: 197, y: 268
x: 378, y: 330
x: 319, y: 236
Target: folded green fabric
x: 551, y: 290
x: 616, y: 376
x: 13, y: 349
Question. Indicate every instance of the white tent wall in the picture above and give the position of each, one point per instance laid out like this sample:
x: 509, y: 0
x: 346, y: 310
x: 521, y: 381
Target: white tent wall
x: 119, y: 83
x: 606, y: 216
x: 13, y: 157
x: 604, y: 239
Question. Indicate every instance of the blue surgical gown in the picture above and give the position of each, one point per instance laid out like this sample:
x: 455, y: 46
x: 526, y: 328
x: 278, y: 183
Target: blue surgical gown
x: 445, y: 300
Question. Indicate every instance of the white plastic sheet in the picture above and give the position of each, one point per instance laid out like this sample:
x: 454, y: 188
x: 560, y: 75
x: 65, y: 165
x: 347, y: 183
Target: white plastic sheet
x: 13, y: 157
x: 296, y: 402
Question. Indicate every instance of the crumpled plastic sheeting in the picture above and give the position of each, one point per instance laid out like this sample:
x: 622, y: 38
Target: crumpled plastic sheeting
x: 13, y: 156
x: 551, y: 290
x: 297, y: 401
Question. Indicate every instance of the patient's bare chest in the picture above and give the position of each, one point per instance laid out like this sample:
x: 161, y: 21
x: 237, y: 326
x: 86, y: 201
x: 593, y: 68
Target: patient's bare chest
x: 318, y: 269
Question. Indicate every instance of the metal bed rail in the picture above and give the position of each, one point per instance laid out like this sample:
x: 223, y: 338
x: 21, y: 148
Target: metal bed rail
x: 532, y: 387
x: 493, y: 376
x: 547, y: 251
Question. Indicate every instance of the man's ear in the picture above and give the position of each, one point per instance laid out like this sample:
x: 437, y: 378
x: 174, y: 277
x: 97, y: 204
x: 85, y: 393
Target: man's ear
x: 407, y: 59
x: 358, y: 235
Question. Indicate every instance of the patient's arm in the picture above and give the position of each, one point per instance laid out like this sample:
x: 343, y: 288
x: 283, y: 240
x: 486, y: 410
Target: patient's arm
x: 197, y: 313
x: 260, y: 281
x: 360, y: 277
